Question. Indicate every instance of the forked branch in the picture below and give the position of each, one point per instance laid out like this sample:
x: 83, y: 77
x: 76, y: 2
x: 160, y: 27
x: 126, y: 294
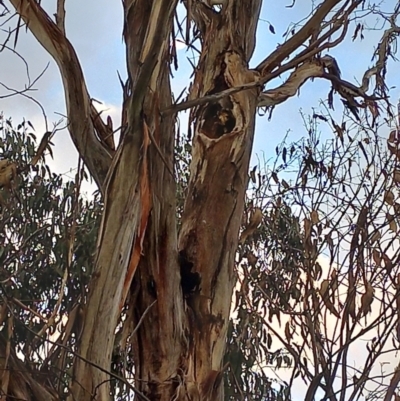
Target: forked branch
x: 60, y: 16
x: 49, y: 35
x: 285, y: 50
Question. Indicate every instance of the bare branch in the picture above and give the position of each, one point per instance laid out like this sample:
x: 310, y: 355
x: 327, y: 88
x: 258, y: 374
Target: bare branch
x: 285, y: 50
x: 77, y: 98
x: 211, y: 98
x: 314, y: 69
x: 278, y: 95
x: 60, y: 16
x: 394, y: 384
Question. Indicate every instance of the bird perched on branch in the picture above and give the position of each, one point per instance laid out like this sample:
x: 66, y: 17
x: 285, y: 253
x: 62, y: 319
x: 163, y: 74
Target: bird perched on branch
x: 348, y: 91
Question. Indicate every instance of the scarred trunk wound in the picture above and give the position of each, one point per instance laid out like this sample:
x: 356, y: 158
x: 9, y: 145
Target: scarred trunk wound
x: 179, y: 346
x: 208, y: 239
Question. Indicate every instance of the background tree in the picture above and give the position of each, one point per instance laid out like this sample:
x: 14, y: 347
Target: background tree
x: 47, y: 242
x: 319, y: 278
x: 173, y: 288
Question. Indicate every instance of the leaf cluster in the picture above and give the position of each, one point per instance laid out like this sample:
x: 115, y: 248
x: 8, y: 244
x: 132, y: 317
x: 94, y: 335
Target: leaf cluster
x: 41, y: 220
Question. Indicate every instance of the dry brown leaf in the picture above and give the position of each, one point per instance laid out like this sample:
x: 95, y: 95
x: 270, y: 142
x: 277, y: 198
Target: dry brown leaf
x: 331, y: 308
x: 377, y: 257
x: 334, y: 280
x: 393, y: 149
x: 307, y: 228
x: 256, y: 217
x: 388, y: 262
x: 251, y: 258
x: 396, y: 176
x: 352, y: 307
x: 285, y: 184
x: 338, y: 129
x: 389, y: 197
x: 392, y: 136
x: 314, y: 217
x: 317, y: 271
x: 367, y: 299
x: 287, y: 332
x: 324, y: 288
x: 304, y: 180
x: 375, y: 237
x: 255, y: 220
x: 330, y: 172
x: 389, y: 217
x: 393, y: 226
x: 324, y: 291
x: 275, y: 177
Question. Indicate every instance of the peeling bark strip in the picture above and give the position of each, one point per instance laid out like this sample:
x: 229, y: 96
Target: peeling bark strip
x: 145, y: 201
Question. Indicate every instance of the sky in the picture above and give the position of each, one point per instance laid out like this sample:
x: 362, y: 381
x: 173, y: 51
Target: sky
x: 95, y: 29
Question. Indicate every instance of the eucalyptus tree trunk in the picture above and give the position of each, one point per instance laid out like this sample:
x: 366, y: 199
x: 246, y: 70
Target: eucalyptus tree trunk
x: 176, y: 288
x: 179, y: 347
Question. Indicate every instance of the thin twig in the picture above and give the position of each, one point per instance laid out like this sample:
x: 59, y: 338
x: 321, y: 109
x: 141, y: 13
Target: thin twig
x: 394, y: 384
x: 160, y: 153
x: 60, y: 16
x: 95, y: 365
x: 142, y: 317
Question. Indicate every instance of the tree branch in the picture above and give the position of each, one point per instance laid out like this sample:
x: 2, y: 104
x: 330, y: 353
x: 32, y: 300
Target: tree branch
x: 394, y: 384
x: 77, y: 98
x: 60, y: 16
x: 285, y: 50
x: 296, y: 79
x: 325, y: 67
x: 210, y: 98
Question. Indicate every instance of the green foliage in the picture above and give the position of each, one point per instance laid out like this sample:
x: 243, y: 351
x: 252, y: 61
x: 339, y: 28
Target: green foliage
x: 320, y: 273
x: 39, y: 220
